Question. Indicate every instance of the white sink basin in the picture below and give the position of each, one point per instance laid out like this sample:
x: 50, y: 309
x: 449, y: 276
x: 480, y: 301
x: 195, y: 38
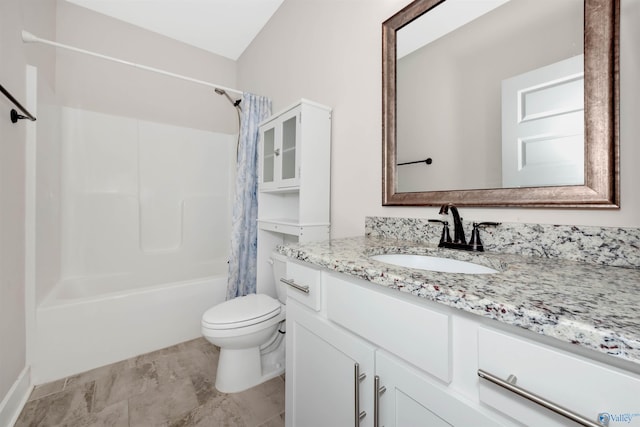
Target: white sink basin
x: 431, y: 263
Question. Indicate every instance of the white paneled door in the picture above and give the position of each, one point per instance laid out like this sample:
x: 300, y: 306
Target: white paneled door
x: 543, y: 126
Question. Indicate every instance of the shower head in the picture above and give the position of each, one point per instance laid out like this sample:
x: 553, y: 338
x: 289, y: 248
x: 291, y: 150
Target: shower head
x: 236, y: 103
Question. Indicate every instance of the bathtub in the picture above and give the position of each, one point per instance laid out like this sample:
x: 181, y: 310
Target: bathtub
x: 85, y: 323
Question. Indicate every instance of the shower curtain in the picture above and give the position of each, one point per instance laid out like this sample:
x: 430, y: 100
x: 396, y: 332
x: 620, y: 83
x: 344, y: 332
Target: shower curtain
x: 244, y: 229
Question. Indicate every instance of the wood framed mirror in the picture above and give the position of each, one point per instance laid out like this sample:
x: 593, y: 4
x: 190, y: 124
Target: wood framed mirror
x: 598, y: 188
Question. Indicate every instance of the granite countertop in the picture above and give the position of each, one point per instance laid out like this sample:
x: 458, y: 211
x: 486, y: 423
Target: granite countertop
x: 594, y: 306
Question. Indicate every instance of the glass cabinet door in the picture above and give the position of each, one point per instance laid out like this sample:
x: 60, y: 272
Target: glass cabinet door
x: 280, y: 157
x: 269, y: 154
x: 289, y: 148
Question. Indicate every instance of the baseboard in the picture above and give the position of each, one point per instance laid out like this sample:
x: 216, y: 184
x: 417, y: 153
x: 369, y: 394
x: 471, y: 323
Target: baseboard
x: 14, y: 401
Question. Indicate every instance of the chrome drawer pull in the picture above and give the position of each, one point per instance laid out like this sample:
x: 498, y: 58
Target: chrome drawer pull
x: 294, y: 285
x: 509, y: 384
x: 357, y: 377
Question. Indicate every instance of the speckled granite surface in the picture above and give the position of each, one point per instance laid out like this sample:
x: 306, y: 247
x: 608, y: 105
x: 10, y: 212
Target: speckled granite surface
x: 592, y: 305
x: 598, y: 245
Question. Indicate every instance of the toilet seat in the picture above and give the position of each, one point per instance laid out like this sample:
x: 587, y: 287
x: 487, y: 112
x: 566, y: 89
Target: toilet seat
x: 241, y: 312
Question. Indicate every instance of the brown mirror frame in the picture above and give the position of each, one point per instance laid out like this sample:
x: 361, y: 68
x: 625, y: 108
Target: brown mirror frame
x: 602, y: 180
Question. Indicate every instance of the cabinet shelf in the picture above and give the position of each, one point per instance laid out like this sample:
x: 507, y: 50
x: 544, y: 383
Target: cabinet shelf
x: 281, y: 190
x: 289, y: 226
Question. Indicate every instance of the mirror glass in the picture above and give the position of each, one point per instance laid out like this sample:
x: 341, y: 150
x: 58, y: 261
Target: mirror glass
x: 488, y: 71
x: 487, y: 103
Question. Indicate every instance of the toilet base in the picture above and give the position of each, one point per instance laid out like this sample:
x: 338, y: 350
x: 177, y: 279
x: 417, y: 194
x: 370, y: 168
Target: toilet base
x: 241, y: 369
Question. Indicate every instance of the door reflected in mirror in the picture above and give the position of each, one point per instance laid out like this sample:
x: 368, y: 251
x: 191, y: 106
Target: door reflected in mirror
x: 496, y: 102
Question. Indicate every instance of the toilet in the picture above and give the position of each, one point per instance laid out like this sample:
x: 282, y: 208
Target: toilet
x: 250, y: 333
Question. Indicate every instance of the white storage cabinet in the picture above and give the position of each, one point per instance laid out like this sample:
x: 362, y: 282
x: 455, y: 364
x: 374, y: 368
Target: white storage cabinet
x: 294, y: 153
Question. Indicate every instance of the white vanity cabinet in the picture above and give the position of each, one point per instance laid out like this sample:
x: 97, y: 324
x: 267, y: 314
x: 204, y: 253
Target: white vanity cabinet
x: 336, y: 377
x: 354, y: 347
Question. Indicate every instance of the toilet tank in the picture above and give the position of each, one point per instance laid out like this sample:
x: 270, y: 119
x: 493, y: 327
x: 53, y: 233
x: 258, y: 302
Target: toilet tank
x: 279, y: 264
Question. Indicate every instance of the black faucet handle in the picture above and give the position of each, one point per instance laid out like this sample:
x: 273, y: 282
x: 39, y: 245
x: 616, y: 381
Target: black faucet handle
x: 445, y: 237
x: 486, y: 223
x: 475, y: 242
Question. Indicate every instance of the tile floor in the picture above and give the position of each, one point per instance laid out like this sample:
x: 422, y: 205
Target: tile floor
x: 170, y: 387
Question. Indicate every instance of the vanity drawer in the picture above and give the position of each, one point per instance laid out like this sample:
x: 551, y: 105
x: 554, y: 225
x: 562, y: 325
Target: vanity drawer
x: 582, y: 386
x: 409, y: 330
x: 303, y: 285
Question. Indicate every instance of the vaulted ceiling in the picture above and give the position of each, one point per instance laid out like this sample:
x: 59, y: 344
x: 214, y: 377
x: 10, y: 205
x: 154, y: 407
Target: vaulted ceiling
x: 223, y: 27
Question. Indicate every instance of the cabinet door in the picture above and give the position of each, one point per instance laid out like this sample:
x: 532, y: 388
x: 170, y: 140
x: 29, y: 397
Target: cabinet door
x: 268, y: 156
x: 321, y: 373
x: 410, y: 398
x: 288, y: 155
x: 279, y: 152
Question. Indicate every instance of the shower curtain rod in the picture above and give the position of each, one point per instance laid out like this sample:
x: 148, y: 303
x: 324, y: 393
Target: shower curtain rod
x: 27, y: 37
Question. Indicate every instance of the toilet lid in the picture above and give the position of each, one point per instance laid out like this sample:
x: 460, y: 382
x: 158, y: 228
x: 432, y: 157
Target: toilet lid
x: 241, y: 311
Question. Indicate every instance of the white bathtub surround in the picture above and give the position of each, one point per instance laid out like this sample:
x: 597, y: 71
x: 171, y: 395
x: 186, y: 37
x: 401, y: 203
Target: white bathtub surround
x: 589, y: 305
x: 145, y: 220
x: 612, y: 246
x: 82, y: 326
x: 138, y: 196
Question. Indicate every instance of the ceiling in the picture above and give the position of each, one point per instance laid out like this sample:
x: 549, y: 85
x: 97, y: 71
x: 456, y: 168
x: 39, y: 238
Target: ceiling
x: 223, y: 27
x: 440, y: 21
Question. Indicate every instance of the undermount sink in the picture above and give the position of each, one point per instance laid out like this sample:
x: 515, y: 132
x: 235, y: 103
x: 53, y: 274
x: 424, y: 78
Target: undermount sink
x: 431, y: 263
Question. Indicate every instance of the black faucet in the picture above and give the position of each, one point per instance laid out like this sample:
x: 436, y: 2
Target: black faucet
x: 458, y: 231
x: 459, y: 241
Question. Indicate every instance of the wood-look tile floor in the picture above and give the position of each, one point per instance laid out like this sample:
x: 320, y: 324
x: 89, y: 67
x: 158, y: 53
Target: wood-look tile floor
x: 170, y: 387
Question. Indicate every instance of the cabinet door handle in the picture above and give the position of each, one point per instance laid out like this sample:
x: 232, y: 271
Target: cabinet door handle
x: 276, y: 151
x: 357, y: 378
x: 509, y: 384
x: 294, y: 285
x: 377, y: 391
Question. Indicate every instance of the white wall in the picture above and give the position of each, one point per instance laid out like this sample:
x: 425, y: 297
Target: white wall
x: 12, y: 203
x: 95, y: 84
x: 330, y: 52
x: 14, y: 16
